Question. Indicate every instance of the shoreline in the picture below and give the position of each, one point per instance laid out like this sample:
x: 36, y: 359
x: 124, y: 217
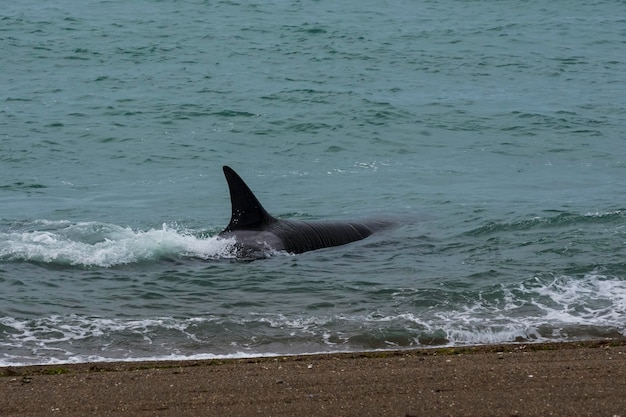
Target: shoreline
x: 128, y: 365
x: 563, y: 378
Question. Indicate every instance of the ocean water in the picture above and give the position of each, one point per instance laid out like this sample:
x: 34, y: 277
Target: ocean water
x: 493, y: 132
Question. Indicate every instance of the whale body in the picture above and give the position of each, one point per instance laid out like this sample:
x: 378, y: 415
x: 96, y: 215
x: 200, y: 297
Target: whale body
x: 256, y: 231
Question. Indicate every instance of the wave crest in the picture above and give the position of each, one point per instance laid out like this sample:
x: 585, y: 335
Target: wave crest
x: 106, y: 245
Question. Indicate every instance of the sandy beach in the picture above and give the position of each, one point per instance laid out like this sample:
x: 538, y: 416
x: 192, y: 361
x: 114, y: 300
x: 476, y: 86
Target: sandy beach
x: 561, y: 379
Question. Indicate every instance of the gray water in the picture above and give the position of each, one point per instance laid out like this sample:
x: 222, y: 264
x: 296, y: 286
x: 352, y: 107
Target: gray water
x: 492, y: 132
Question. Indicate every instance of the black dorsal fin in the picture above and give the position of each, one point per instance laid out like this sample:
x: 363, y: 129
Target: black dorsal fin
x: 247, y: 212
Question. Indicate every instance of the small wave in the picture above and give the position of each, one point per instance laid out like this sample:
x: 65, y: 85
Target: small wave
x: 541, y: 309
x: 106, y: 245
x: 544, y: 308
x: 594, y: 300
x: 75, y: 339
x: 558, y: 220
x: 9, y: 360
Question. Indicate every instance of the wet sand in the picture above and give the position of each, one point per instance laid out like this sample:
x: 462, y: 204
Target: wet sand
x: 562, y: 379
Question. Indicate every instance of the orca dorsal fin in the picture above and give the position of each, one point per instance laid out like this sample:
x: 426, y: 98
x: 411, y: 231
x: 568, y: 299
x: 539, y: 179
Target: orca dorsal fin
x: 247, y: 211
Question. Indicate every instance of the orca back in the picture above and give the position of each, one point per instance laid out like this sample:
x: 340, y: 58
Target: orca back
x: 256, y: 230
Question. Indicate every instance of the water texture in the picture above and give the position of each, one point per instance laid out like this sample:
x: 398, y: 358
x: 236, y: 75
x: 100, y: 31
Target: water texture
x: 494, y: 133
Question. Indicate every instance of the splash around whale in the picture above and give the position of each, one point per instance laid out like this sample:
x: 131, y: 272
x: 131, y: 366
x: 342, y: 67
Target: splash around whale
x: 256, y: 232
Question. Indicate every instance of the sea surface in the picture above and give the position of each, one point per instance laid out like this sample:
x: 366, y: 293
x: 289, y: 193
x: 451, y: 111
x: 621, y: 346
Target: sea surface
x: 492, y: 132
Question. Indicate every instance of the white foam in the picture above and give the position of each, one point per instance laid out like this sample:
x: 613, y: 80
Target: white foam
x: 541, y: 310
x: 72, y: 339
x: 9, y: 360
x: 606, y: 214
x: 106, y: 245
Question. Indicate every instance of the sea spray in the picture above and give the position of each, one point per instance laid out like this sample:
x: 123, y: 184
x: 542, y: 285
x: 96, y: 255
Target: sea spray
x: 107, y: 245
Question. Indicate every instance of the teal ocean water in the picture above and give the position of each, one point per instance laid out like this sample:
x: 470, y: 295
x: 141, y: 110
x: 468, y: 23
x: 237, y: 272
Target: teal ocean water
x: 493, y: 132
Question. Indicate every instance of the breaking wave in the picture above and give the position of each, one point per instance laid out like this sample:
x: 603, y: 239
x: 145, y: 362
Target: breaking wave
x: 539, y: 310
x: 106, y: 245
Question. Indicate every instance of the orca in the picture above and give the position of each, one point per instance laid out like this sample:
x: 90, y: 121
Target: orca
x: 257, y: 233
